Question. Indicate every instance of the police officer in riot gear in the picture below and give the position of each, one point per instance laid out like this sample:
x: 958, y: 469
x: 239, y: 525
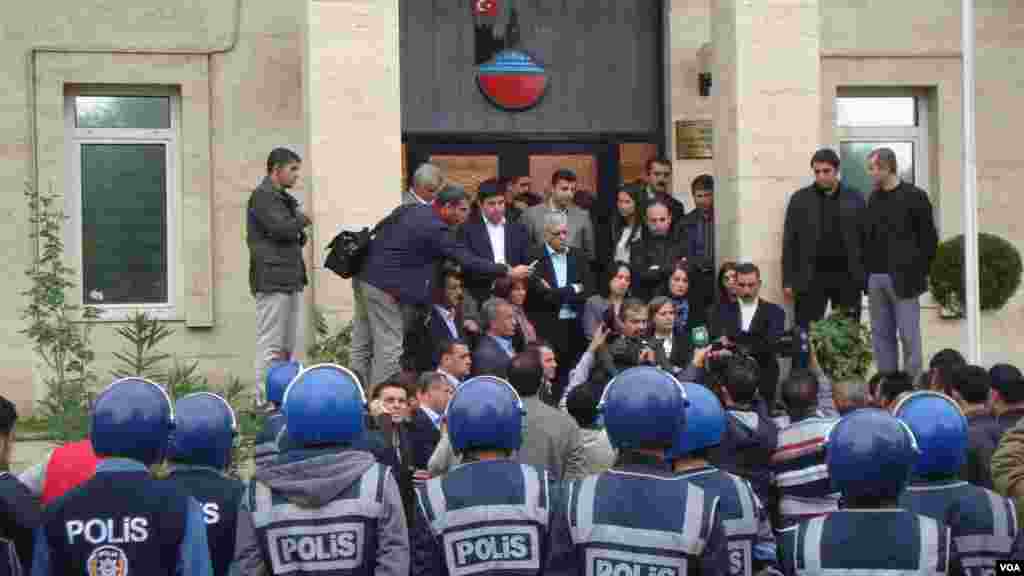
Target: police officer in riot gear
x: 204, y: 434
x: 489, y: 513
x: 869, y: 457
x: 323, y: 507
x: 122, y: 521
x: 638, y: 518
x: 751, y: 543
x: 279, y: 375
x: 983, y: 523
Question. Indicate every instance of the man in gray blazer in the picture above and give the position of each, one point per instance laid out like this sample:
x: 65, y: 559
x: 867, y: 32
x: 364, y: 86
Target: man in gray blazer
x: 560, y: 200
x: 551, y: 439
x: 426, y: 183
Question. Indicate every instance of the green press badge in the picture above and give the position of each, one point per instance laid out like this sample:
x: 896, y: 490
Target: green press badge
x: 700, y: 336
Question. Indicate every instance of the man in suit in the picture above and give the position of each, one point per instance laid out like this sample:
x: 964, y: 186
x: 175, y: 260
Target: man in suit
x: 700, y: 239
x: 433, y: 393
x: 753, y: 325
x: 397, y: 279
x: 821, y: 244
x: 900, y: 244
x: 580, y: 228
x: 559, y: 288
x: 551, y: 438
x: 494, y: 351
x: 455, y: 361
x: 427, y: 181
x: 491, y: 236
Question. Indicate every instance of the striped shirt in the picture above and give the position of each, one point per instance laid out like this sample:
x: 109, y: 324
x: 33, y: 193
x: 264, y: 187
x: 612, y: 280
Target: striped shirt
x: 800, y: 475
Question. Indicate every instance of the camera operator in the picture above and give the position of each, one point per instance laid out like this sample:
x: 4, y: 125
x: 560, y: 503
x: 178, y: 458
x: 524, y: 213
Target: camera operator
x: 631, y: 347
x: 752, y: 326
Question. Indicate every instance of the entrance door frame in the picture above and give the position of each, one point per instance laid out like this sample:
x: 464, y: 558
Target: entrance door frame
x: 514, y: 153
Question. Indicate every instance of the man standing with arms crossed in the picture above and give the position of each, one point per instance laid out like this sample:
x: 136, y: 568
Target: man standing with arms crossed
x: 275, y: 233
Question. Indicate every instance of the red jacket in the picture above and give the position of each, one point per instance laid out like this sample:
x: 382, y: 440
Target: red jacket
x: 69, y: 466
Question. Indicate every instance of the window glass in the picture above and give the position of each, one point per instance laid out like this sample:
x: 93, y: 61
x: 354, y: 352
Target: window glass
x: 149, y: 112
x: 124, y: 223
x: 853, y: 158
x: 876, y: 112
x: 467, y: 171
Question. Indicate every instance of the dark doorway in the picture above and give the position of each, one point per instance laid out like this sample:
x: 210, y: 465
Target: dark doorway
x: 602, y: 165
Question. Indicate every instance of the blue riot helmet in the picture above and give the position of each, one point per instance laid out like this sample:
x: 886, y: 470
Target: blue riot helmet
x: 485, y: 412
x: 705, y: 421
x: 132, y: 418
x: 643, y: 407
x: 204, y: 431
x: 324, y: 404
x: 940, y: 428
x: 279, y: 376
x: 870, y: 454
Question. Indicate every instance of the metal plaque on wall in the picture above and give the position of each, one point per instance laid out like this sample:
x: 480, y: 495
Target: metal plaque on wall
x: 693, y: 139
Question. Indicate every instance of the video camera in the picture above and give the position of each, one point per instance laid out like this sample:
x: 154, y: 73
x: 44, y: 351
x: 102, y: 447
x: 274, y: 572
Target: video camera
x: 793, y: 344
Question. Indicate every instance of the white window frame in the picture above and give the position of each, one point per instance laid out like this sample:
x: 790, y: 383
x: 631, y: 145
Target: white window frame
x: 916, y: 135
x: 169, y: 138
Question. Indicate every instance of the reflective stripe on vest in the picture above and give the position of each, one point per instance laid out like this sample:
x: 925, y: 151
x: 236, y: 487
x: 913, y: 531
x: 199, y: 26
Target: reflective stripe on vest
x: 326, y: 539
x: 748, y: 524
x: 984, y: 550
x: 602, y: 542
x: 501, y: 537
x: 69, y: 465
x: 928, y: 561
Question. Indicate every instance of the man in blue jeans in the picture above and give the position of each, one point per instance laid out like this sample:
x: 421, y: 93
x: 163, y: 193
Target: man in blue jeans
x: 900, y: 244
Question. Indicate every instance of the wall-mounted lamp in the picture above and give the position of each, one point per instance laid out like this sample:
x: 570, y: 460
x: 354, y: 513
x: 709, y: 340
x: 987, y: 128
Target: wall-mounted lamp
x: 704, y: 81
x: 705, y: 57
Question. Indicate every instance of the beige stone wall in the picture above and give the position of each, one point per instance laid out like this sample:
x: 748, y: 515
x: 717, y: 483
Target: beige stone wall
x: 690, y: 30
x: 355, y: 127
x: 252, y: 100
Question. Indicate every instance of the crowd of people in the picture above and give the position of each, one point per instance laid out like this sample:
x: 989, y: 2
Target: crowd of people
x: 505, y: 413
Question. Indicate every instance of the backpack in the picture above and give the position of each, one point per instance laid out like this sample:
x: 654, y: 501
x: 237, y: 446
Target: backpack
x: 346, y: 252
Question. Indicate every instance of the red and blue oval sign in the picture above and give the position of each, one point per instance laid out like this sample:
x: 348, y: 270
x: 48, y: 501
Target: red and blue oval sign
x: 513, y: 80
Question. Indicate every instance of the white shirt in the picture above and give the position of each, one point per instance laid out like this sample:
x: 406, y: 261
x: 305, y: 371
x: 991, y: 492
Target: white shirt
x: 747, y: 313
x: 449, y: 319
x: 622, y: 248
x: 452, y: 380
x: 496, y: 232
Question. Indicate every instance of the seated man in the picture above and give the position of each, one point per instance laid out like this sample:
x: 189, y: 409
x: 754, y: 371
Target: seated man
x: 753, y: 325
x: 494, y: 351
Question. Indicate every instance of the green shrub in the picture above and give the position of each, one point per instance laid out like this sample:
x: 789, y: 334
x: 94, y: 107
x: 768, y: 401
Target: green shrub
x: 842, y: 347
x: 999, y: 271
x: 326, y: 347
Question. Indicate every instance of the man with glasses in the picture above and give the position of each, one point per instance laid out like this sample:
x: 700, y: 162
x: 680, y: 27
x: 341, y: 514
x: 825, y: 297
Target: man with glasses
x: 822, y: 262
x: 753, y: 325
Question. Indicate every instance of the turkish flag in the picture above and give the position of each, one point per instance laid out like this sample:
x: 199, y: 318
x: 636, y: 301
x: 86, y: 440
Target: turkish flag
x: 485, y: 7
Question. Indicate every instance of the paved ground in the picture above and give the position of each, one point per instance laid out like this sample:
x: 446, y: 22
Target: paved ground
x: 27, y: 453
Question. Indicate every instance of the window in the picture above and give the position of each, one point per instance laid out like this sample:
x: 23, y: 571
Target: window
x: 122, y: 156
x: 867, y: 119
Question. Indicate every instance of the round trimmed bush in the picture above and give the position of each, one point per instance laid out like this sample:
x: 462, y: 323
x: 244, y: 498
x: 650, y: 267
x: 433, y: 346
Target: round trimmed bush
x: 999, y: 268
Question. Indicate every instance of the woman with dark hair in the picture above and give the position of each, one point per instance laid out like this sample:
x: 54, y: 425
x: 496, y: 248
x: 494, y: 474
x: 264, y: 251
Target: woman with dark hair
x: 625, y: 228
x: 727, y: 282
x: 689, y: 315
x: 605, y: 307
x: 515, y: 292
x: 671, y: 350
